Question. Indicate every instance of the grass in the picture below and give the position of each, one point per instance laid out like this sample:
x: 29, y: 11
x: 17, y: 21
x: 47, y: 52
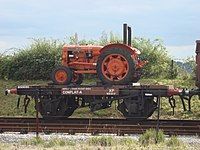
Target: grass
x: 151, y: 137
x: 101, y: 141
x: 174, y: 142
x: 37, y: 141
x: 9, y: 102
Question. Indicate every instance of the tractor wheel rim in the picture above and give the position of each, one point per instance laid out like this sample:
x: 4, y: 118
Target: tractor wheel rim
x: 61, y: 76
x: 115, y: 67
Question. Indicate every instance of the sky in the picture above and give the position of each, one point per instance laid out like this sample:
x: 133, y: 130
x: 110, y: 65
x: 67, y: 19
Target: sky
x: 176, y: 22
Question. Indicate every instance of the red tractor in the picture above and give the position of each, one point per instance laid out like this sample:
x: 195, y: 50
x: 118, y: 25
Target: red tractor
x: 114, y: 63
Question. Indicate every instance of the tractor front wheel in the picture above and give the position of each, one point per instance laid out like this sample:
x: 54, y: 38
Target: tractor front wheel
x: 62, y: 75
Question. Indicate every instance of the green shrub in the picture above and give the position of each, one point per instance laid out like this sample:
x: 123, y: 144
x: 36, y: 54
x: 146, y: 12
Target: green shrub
x: 173, y: 142
x: 127, y: 141
x: 33, y: 141
x: 156, y: 55
x: 33, y: 62
x: 151, y: 137
x: 58, y: 142
x: 5, y: 63
x: 48, y: 143
x: 101, y: 141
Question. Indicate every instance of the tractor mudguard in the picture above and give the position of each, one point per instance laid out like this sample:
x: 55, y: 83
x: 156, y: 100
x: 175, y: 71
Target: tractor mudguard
x: 120, y: 46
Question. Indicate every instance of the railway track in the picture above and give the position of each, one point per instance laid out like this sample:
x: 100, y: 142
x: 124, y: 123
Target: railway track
x: 97, y: 125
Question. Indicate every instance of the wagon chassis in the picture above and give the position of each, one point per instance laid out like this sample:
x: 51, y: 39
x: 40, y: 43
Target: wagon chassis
x: 133, y: 101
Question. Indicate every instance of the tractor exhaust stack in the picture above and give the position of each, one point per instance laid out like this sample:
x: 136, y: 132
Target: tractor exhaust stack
x: 125, y: 33
x: 129, y: 36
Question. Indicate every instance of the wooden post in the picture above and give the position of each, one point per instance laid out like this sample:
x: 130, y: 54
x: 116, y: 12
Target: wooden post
x: 37, y: 118
x: 158, y: 118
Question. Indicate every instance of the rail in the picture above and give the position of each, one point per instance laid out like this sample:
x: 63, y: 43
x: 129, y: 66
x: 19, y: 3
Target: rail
x: 97, y: 125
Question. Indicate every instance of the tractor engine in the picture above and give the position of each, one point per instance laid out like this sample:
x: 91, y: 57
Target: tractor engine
x: 114, y: 63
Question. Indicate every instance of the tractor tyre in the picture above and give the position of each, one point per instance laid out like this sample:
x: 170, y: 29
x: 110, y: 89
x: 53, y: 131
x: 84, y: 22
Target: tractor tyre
x: 77, y: 79
x: 115, y: 66
x: 62, y: 75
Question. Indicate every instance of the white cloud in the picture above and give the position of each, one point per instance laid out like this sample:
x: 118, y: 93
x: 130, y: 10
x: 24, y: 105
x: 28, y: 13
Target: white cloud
x: 3, y: 45
x: 181, y: 52
x: 10, y: 44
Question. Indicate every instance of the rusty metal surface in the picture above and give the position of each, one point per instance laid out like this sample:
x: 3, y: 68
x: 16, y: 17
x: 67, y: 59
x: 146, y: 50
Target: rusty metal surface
x: 95, y: 125
x: 90, y: 91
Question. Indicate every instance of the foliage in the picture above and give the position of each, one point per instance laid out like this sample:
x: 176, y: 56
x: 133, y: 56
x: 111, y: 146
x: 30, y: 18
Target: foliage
x: 101, y: 141
x: 156, y: 55
x: 33, y: 62
x: 74, y: 40
x: 5, y: 63
x: 33, y: 141
x: 48, y: 143
x: 173, y: 142
x: 127, y: 141
x: 103, y: 39
x: 173, y: 70
x: 151, y: 137
x: 114, y: 38
x: 190, y: 66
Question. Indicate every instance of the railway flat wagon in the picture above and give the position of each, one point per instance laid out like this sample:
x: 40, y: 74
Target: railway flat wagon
x: 132, y: 99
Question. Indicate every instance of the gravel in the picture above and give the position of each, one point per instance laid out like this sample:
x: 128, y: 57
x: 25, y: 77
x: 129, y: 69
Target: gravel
x: 17, y: 137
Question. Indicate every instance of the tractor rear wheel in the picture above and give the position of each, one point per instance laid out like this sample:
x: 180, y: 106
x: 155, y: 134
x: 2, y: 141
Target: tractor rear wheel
x: 62, y: 75
x: 115, y: 66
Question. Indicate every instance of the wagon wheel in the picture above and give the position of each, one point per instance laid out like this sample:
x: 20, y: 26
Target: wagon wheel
x: 137, y: 107
x: 77, y: 79
x: 59, y: 107
x: 115, y: 66
x: 62, y: 75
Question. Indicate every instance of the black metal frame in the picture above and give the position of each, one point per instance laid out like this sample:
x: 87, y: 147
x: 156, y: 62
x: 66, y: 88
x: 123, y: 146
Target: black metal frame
x: 141, y: 98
